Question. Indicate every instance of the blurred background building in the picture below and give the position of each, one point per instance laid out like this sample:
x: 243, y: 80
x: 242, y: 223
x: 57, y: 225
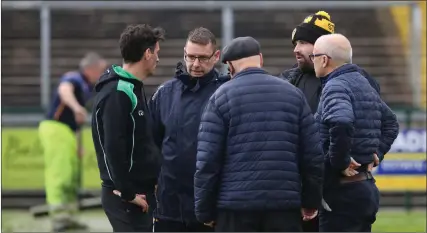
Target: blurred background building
x: 43, y: 40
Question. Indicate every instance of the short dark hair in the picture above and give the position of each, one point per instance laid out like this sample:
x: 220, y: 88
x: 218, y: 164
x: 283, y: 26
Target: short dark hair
x: 202, y: 36
x: 136, y: 39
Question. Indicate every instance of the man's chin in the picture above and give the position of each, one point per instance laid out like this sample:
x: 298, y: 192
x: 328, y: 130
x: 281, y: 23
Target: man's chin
x: 301, y: 64
x: 197, y: 74
x: 306, y: 68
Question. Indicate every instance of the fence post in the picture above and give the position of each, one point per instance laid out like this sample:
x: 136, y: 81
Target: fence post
x: 227, y: 20
x: 415, y: 65
x: 45, y: 38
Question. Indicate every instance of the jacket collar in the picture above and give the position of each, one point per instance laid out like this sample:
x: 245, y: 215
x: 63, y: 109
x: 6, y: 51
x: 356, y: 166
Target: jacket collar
x: 347, y: 68
x: 250, y: 70
x: 191, y: 83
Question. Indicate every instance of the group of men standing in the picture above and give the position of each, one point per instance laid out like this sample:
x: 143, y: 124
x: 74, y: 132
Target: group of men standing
x: 246, y: 151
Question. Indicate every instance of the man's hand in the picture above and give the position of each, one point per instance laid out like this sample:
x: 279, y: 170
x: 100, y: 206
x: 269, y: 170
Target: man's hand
x: 353, y: 164
x: 374, y: 163
x: 80, y: 115
x: 140, y: 200
x: 351, y: 170
x: 308, y: 214
x: 210, y: 224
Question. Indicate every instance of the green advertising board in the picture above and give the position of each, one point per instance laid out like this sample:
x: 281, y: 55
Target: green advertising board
x: 23, y: 161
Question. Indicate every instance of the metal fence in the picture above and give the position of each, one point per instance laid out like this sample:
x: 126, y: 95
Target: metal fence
x: 227, y: 20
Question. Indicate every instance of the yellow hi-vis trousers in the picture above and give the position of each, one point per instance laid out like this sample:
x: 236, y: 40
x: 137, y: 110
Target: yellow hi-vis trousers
x: 61, y: 167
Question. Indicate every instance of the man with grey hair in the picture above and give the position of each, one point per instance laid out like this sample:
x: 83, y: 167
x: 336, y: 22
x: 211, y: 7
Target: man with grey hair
x: 59, y: 137
x: 357, y: 129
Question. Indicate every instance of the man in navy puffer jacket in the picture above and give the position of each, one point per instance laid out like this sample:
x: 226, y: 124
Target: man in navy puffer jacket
x: 357, y: 129
x: 176, y: 109
x: 259, y: 160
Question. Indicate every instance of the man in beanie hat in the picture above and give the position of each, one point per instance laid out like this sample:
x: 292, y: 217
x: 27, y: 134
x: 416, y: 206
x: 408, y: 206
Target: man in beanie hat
x: 302, y: 75
x: 303, y: 38
x: 259, y: 163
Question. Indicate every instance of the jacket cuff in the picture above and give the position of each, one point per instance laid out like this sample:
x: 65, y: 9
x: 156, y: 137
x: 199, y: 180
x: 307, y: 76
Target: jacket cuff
x: 311, y: 203
x: 341, y: 165
x: 205, y: 217
x: 128, y: 196
x: 380, y: 157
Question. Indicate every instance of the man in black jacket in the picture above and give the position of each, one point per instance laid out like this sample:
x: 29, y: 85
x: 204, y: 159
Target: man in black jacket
x: 302, y: 74
x: 303, y: 38
x: 128, y: 158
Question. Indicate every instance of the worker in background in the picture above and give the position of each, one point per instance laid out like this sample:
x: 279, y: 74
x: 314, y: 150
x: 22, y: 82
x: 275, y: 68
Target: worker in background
x: 59, y: 134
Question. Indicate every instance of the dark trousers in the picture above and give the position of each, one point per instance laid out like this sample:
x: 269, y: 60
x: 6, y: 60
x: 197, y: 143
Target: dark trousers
x: 161, y: 225
x: 258, y: 221
x: 125, y: 216
x: 311, y: 226
x: 354, y: 207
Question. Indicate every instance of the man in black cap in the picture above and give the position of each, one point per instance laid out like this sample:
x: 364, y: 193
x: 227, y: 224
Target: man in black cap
x: 259, y: 163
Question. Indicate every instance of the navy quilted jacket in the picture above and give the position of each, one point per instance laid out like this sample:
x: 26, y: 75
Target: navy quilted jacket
x: 354, y: 121
x: 176, y: 108
x: 259, y: 148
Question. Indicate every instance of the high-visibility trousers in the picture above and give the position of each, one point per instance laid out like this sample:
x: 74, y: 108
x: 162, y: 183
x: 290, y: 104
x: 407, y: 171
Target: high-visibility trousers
x: 59, y: 143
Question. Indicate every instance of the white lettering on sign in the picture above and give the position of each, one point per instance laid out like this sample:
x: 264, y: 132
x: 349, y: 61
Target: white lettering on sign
x: 412, y: 141
x: 403, y: 165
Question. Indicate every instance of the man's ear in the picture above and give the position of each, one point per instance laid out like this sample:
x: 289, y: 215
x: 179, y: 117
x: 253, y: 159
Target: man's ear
x: 261, y: 60
x: 326, y: 61
x: 217, y: 55
x: 147, y: 54
x: 230, y: 68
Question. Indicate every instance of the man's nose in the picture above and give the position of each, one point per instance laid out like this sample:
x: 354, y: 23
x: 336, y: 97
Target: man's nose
x: 196, y: 62
x: 296, y: 49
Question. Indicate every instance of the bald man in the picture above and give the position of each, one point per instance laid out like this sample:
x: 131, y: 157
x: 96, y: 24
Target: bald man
x: 357, y: 129
x: 259, y: 161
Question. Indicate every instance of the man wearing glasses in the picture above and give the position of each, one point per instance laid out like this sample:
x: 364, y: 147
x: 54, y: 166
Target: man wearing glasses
x: 357, y: 129
x: 176, y: 109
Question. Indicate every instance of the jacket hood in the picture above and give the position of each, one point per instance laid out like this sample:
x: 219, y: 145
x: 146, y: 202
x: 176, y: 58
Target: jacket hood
x: 115, y: 73
x: 195, y: 83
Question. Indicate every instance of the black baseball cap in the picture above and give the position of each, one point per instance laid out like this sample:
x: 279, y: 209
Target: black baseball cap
x: 240, y: 47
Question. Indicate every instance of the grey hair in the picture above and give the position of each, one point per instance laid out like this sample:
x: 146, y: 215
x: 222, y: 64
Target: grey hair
x: 90, y: 59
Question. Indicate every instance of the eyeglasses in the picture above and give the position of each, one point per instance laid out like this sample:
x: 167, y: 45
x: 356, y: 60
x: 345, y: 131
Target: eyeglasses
x: 192, y: 58
x: 312, y: 56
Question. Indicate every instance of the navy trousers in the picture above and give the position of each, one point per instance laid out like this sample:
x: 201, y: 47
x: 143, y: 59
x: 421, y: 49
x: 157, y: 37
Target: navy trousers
x: 354, y: 207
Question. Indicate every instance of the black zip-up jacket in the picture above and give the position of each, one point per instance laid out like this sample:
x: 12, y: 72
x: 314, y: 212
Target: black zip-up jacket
x: 307, y: 83
x: 128, y: 158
